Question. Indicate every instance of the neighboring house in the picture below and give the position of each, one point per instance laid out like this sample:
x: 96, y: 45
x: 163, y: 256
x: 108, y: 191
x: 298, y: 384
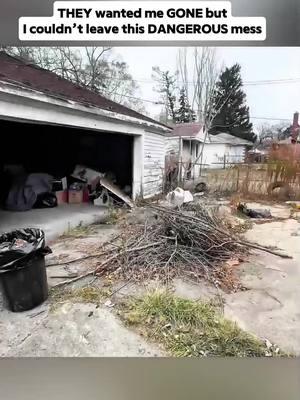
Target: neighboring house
x: 184, y: 143
x: 223, y: 149
x: 256, y: 156
x: 193, y: 148
x: 59, y: 124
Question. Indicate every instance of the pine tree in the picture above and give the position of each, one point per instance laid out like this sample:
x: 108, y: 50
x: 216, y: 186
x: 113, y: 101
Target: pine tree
x: 184, y: 113
x: 229, y: 103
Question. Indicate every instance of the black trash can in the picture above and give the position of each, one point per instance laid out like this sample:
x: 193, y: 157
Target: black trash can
x: 23, y: 277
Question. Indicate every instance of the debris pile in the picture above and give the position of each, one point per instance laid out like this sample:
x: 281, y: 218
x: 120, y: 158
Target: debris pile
x: 173, y: 242
x: 178, y: 242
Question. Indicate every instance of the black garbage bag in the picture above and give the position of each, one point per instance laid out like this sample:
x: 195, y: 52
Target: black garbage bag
x: 251, y: 213
x: 19, y: 246
x: 23, y: 277
x: 46, y: 200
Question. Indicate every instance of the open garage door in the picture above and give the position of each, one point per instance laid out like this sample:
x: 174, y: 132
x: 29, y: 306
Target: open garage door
x: 56, y: 150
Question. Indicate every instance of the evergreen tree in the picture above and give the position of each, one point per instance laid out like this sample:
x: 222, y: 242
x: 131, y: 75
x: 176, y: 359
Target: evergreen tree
x: 229, y: 103
x: 184, y: 113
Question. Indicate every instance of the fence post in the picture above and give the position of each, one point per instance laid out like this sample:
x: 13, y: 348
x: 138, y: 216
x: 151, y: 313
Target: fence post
x: 237, y: 179
x: 224, y: 161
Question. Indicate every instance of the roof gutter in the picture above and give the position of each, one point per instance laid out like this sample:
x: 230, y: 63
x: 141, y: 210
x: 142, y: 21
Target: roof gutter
x: 33, y: 94
x: 185, y: 138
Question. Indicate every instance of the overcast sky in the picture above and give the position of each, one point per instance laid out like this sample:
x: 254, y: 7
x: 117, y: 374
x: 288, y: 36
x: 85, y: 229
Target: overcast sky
x: 268, y: 101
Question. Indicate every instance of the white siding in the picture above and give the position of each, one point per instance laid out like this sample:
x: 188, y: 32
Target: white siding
x: 154, y: 164
x: 172, y: 144
x: 213, y: 154
x: 236, y: 154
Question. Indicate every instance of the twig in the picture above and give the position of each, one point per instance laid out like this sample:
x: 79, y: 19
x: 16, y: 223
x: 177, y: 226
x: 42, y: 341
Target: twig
x: 262, y: 248
x: 96, y: 255
x: 36, y: 314
x: 88, y: 256
x: 170, y: 259
x: 63, y: 276
x: 122, y: 287
x: 94, y: 272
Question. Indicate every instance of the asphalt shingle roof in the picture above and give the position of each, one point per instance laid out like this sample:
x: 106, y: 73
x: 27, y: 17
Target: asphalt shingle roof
x: 189, y: 130
x: 18, y: 71
x: 226, y: 138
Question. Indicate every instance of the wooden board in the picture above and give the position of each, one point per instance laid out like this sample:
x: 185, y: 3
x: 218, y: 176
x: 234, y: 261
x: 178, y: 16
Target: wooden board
x: 116, y: 191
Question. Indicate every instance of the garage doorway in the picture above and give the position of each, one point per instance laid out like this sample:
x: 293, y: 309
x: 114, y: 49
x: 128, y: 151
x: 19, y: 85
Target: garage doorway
x: 56, y: 150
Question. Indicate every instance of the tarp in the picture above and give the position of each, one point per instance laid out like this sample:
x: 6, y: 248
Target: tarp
x: 25, y: 189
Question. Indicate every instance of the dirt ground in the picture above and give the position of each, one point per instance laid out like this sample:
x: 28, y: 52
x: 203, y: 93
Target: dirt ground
x: 270, y: 307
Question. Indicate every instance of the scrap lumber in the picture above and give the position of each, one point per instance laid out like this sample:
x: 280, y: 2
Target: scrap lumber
x: 116, y: 191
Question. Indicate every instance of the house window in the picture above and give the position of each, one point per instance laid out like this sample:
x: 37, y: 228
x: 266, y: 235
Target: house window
x: 197, y: 150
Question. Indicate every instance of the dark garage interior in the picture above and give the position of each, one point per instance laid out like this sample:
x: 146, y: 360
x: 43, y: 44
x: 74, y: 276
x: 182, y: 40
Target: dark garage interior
x: 56, y: 150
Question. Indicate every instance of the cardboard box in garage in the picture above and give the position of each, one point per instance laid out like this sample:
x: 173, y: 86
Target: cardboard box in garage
x: 75, y: 196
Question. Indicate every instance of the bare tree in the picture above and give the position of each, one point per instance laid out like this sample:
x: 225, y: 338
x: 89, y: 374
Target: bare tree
x: 267, y: 133
x: 91, y: 67
x: 198, y: 75
x: 167, y: 88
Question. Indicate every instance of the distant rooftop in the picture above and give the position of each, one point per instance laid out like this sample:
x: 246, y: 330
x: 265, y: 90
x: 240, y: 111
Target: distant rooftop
x: 226, y: 138
x: 186, y: 130
x: 193, y: 129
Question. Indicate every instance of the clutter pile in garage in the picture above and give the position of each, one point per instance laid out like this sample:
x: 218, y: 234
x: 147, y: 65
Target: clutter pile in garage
x: 22, y: 191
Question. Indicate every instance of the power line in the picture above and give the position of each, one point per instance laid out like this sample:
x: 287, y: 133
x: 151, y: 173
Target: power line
x: 140, y: 99
x: 272, y: 119
x: 160, y: 103
x: 272, y: 82
x: 246, y: 83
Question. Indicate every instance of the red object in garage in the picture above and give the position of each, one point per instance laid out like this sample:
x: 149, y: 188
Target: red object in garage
x: 86, y: 197
x: 62, y: 197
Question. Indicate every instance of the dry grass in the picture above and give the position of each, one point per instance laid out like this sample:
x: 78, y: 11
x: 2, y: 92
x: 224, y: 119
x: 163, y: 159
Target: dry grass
x: 88, y: 294
x: 191, y: 329
x: 79, y: 231
x: 253, y: 180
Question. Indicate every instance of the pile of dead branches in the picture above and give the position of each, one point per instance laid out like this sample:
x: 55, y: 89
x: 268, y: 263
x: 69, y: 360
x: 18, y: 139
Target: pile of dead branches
x: 170, y: 243
x: 176, y: 243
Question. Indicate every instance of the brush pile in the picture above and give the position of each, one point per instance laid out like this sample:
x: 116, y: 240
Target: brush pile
x: 191, y: 242
x: 176, y: 243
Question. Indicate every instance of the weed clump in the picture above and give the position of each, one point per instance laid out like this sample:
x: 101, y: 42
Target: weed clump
x: 191, y: 329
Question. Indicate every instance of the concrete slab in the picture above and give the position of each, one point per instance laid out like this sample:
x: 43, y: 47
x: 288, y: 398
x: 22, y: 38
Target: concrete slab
x: 72, y: 248
x: 270, y: 307
x: 195, y: 291
x: 72, y: 330
x: 54, y: 221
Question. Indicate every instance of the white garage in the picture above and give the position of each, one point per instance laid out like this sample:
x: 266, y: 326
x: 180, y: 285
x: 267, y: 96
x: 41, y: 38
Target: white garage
x: 50, y: 125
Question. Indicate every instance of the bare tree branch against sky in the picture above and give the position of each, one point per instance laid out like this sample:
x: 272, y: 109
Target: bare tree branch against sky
x: 270, y: 100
